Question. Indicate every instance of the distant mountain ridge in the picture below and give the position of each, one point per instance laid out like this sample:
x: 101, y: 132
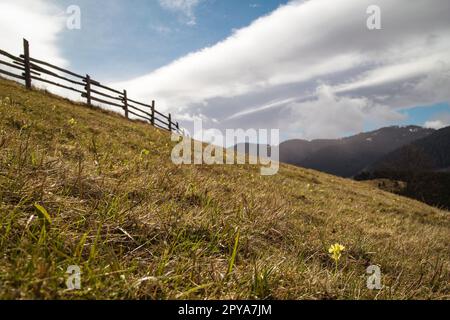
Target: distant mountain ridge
x: 431, y: 153
x: 349, y: 156
x: 423, y: 165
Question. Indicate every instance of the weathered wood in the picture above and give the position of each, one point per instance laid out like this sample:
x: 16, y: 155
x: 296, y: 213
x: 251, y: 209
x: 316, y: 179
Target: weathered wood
x: 170, y: 122
x: 50, y: 73
x: 39, y: 68
x: 11, y: 65
x: 161, y: 114
x: 88, y: 90
x: 26, y: 59
x: 104, y: 94
x: 137, y: 102
x: 56, y: 84
x: 137, y: 109
x: 105, y: 102
x: 98, y: 84
x: 93, y: 82
x: 153, y: 113
x: 162, y: 122
x: 10, y: 74
x: 125, y: 103
x: 20, y: 66
x: 55, y: 67
x: 138, y: 115
x: 9, y: 55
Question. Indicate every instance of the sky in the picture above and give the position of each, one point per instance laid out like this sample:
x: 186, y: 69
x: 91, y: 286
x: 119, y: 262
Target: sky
x: 312, y: 69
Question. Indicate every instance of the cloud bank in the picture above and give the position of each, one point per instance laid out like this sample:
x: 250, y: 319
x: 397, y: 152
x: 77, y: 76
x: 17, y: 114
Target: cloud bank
x: 313, y: 69
x: 38, y: 21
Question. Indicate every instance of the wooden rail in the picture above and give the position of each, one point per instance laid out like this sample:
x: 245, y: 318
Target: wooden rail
x: 35, y: 70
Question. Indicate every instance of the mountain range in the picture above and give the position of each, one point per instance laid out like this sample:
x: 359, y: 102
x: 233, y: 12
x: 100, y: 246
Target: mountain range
x: 423, y: 166
x: 431, y: 153
x: 349, y: 156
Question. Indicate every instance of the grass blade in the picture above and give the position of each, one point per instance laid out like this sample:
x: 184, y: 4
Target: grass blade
x: 233, y: 255
x: 44, y: 214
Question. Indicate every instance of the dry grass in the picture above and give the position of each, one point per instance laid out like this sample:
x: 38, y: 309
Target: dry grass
x: 143, y: 228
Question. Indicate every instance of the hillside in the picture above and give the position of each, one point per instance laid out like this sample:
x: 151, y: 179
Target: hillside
x: 431, y: 153
x: 348, y: 156
x: 423, y: 165
x: 142, y: 228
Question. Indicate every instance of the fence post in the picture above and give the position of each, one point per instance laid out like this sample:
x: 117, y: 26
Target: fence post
x: 88, y: 90
x: 26, y: 60
x: 178, y: 126
x: 170, y: 122
x: 153, y: 113
x: 125, y: 103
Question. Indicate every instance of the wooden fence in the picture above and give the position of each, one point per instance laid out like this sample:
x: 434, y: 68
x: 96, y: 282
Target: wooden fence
x: 33, y: 69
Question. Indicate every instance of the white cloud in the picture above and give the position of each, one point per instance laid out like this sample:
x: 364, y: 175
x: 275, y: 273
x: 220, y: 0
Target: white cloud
x: 267, y: 106
x: 438, y: 121
x: 186, y: 7
x: 436, y: 124
x: 38, y: 21
x: 41, y: 23
x: 331, y: 116
x: 280, y: 58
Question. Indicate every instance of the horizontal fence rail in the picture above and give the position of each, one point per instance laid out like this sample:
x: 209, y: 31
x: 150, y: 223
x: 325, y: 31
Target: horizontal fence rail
x: 90, y: 89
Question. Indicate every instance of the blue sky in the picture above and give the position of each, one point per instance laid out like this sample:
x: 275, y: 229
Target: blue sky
x: 144, y: 36
x: 421, y: 114
x: 418, y: 115
x: 312, y: 69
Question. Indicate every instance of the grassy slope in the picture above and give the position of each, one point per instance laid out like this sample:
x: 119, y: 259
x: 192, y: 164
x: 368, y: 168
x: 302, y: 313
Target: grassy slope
x: 141, y: 227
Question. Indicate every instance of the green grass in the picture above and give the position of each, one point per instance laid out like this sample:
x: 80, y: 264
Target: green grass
x: 101, y: 192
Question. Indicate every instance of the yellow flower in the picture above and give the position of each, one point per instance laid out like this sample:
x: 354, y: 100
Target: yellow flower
x: 336, y: 251
x: 145, y: 152
x: 72, y: 122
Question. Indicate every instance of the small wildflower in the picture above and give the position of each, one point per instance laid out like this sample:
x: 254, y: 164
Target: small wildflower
x: 72, y: 122
x: 145, y: 152
x: 336, y: 252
